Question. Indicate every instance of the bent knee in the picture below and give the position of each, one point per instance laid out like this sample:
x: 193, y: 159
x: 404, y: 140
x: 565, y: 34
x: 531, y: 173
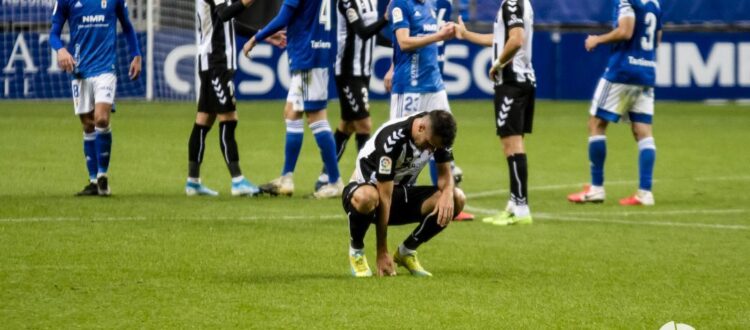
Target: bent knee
x: 365, y: 199
x: 459, y: 200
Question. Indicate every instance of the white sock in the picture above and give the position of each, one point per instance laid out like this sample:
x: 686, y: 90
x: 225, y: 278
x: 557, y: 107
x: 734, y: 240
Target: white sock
x: 194, y: 180
x: 238, y: 179
x: 353, y: 251
x: 521, y: 211
x: 402, y: 250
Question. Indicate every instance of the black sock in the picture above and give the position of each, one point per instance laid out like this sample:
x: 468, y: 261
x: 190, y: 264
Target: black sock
x: 518, y: 170
x: 361, y: 139
x: 229, y: 147
x: 358, y: 225
x: 196, y: 149
x: 426, y: 230
x: 341, y: 139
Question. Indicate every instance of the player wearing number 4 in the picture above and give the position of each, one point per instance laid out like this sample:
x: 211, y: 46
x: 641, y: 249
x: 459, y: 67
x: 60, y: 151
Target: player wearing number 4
x: 308, y: 24
x: 515, y: 88
x: 93, y: 33
x: 626, y: 89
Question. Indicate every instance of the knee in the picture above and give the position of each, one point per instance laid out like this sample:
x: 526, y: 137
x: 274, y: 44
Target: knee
x: 363, y: 126
x: 597, y: 126
x: 365, y: 199
x: 101, y: 122
x: 459, y: 200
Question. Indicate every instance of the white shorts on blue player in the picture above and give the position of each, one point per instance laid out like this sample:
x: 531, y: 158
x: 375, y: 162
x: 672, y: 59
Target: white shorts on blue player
x: 613, y: 100
x: 308, y: 90
x: 407, y: 104
x: 89, y: 91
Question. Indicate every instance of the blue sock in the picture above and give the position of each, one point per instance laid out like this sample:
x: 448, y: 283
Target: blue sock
x: 646, y: 159
x: 294, y: 134
x: 103, y: 148
x: 89, y: 150
x: 597, y: 155
x: 433, y: 171
x: 323, y: 136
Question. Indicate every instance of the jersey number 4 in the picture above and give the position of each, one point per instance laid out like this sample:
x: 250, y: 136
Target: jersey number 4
x: 325, y: 14
x: 647, y: 41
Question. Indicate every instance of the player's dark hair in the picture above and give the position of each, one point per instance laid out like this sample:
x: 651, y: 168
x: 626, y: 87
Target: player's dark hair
x: 444, y: 126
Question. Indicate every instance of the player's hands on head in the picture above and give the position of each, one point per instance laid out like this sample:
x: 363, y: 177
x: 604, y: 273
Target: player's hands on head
x: 278, y: 39
x: 135, y: 68
x: 65, y: 61
x: 249, y: 45
x: 591, y: 43
x: 385, y: 264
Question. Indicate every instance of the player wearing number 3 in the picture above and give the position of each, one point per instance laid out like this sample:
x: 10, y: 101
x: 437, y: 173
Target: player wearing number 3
x: 308, y: 24
x: 627, y: 88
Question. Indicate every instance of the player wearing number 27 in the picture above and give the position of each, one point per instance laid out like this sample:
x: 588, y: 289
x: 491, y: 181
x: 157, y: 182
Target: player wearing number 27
x: 309, y: 36
x: 626, y: 89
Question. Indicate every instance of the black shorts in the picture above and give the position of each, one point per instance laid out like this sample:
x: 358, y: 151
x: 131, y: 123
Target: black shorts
x: 216, y: 93
x: 514, y: 108
x: 406, y: 202
x: 353, y: 97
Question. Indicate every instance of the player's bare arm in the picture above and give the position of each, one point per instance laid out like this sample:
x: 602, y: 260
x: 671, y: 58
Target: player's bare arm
x: 388, y: 79
x: 514, y: 43
x: 409, y: 43
x: 385, y: 262
x: 623, y: 32
x: 462, y: 33
x: 445, y: 206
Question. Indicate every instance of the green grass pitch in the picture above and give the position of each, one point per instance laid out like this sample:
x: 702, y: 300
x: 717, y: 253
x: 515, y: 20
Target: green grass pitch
x: 150, y: 257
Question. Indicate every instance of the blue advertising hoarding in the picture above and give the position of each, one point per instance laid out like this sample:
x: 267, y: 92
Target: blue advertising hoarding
x: 691, y: 66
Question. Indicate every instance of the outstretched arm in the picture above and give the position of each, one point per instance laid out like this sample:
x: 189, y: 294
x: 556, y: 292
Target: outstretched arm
x: 409, y: 43
x: 482, y: 39
x: 350, y: 10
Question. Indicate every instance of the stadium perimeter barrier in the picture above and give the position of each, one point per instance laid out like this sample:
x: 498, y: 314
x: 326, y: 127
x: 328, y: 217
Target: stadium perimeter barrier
x: 705, y: 54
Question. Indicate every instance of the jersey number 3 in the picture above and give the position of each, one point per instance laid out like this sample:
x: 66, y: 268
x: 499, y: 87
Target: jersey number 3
x: 325, y: 14
x: 647, y: 41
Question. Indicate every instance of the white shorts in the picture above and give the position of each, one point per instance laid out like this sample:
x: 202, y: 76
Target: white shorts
x: 93, y: 90
x: 407, y: 104
x: 612, y: 100
x: 308, y: 90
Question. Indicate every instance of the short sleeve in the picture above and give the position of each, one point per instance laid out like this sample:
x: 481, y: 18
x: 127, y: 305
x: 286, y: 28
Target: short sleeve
x: 625, y: 9
x: 400, y: 15
x: 513, y: 13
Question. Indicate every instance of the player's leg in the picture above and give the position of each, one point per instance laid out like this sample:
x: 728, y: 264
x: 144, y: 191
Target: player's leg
x: 84, y: 109
x: 514, y: 109
x: 315, y: 101
x: 641, y: 117
x: 360, y: 202
x: 605, y: 107
x: 417, y: 204
x: 204, y: 120
x: 104, y: 87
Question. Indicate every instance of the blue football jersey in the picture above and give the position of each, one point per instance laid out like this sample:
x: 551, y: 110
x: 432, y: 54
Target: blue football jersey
x: 416, y: 71
x: 309, y: 34
x: 93, y: 33
x: 444, y: 10
x: 634, y: 61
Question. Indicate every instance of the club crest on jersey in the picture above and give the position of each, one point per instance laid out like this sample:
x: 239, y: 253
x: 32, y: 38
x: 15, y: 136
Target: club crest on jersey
x: 386, y: 165
x: 104, y: 4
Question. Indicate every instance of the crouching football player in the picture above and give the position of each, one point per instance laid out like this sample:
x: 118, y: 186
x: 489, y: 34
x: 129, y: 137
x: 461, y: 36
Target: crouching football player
x: 382, y: 190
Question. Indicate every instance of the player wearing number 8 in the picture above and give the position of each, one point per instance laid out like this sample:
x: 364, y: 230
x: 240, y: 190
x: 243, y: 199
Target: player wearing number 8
x: 627, y: 88
x: 308, y: 24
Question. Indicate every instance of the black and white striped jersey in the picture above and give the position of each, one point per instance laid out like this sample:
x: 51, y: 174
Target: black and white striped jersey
x: 215, y: 33
x: 390, y: 155
x: 358, y: 22
x: 512, y: 14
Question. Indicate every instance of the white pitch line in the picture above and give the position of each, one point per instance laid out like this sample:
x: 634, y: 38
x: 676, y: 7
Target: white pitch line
x: 562, y: 217
x: 497, y: 192
x: 671, y: 212
x: 190, y: 218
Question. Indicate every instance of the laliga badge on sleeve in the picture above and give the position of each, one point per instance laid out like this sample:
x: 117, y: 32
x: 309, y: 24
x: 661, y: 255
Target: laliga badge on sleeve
x: 385, y: 165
